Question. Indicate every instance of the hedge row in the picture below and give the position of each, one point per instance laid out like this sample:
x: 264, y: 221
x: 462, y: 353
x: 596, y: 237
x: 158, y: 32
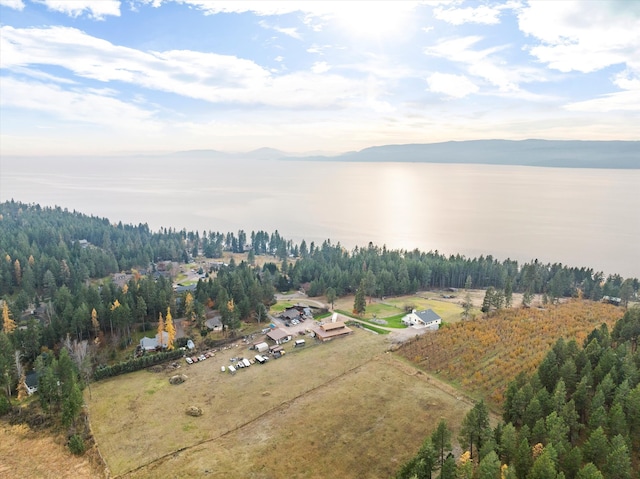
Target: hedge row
x: 136, y: 364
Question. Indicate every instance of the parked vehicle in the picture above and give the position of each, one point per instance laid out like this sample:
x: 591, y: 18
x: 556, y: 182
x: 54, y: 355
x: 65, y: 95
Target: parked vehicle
x: 299, y: 342
x: 188, y: 360
x: 232, y: 370
x: 246, y: 362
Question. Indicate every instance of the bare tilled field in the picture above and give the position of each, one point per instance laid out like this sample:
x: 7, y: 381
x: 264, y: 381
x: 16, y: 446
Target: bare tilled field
x: 346, y: 408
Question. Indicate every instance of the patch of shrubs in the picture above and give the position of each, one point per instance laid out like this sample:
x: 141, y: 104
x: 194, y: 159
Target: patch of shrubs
x: 103, y: 372
x: 76, y: 444
x: 5, y: 405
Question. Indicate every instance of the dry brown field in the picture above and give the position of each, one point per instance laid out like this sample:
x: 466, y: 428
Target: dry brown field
x: 346, y: 408
x: 39, y: 455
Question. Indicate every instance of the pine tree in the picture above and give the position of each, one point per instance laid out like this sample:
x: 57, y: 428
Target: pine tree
x: 489, y: 467
x: 441, y: 440
x: 360, y: 301
x: 488, y: 300
x: 475, y: 429
x: 171, y: 331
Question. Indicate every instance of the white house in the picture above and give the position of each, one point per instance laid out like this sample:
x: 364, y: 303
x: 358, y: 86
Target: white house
x: 426, y: 318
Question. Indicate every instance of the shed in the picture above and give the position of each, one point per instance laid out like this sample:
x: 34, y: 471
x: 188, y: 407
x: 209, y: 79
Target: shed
x: 262, y: 347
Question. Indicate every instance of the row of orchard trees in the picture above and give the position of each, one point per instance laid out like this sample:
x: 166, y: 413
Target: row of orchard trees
x: 578, y: 416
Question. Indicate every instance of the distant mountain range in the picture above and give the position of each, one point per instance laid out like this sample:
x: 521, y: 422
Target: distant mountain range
x: 550, y: 153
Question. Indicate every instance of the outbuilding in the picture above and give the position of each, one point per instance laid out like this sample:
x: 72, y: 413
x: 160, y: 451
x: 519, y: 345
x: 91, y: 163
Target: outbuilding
x: 279, y: 336
x: 332, y: 330
x: 262, y: 347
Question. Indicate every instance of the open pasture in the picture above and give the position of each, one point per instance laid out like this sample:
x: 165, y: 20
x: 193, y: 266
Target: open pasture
x: 345, y: 408
x: 450, y: 311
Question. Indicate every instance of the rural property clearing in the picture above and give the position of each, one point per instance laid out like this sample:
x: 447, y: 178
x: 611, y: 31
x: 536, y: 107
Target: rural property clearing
x: 346, y: 408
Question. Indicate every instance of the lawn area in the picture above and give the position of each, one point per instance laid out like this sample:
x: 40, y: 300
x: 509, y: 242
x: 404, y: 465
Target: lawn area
x: 326, y: 410
x: 450, y: 312
x: 279, y: 307
x: 393, y: 309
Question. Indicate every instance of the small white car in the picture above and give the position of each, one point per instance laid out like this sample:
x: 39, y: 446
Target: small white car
x: 188, y: 360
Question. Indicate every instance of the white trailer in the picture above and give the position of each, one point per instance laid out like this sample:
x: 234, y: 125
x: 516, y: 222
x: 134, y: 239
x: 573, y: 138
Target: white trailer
x: 232, y: 370
x: 299, y: 342
x: 260, y: 359
x: 246, y: 362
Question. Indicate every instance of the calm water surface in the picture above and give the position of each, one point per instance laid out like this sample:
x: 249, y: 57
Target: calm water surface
x: 579, y: 217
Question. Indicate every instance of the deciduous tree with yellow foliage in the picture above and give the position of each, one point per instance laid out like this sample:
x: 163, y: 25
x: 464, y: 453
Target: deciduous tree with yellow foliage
x: 171, y: 331
x: 8, y: 324
x: 161, y: 330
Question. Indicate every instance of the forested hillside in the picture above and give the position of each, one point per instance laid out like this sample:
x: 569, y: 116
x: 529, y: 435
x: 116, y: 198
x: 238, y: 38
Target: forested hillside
x: 576, y: 416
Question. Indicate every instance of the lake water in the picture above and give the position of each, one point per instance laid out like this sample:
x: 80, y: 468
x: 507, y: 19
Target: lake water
x: 578, y: 217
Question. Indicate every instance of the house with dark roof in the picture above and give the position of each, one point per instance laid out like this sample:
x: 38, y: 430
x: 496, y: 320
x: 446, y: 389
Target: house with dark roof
x: 426, y: 318
x: 31, y: 381
x: 214, y: 323
x: 290, y: 314
x: 184, y: 288
x: 279, y: 336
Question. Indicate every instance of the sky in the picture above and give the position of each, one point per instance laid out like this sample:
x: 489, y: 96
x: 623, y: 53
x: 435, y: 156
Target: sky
x: 143, y: 76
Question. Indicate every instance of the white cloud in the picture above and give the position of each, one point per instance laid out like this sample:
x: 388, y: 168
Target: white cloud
x: 320, y: 67
x: 96, y: 9
x: 40, y: 75
x: 15, y: 4
x: 486, y: 63
x: 319, y: 49
x: 619, y: 101
x: 483, y: 14
x: 627, y: 80
x: 583, y: 36
x: 626, y: 100
x: 311, y: 8
x: 279, y: 58
x: 205, y: 76
x: 458, y: 16
x: 291, y: 32
x: 84, y: 105
x: 456, y: 86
